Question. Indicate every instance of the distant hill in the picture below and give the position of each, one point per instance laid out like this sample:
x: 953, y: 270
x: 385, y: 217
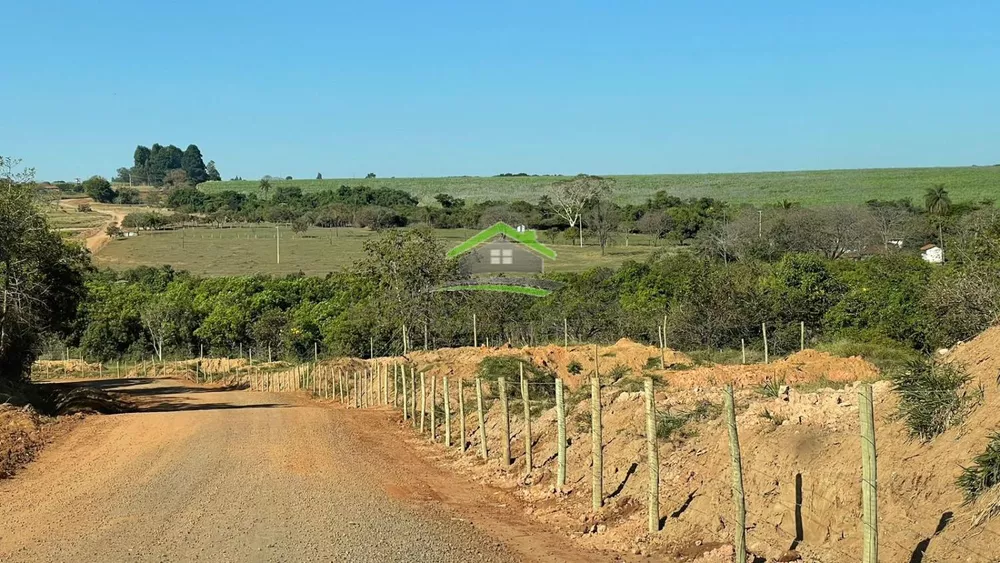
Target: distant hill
x: 969, y: 183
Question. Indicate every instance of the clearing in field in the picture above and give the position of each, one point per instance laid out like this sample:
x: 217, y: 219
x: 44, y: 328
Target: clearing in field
x: 252, y: 250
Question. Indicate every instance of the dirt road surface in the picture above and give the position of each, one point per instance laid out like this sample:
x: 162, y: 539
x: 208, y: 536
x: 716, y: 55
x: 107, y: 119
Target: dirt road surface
x: 95, y: 239
x: 212, y: 475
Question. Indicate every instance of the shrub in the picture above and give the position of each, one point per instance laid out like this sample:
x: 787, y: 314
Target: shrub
x: 83, y: 208
x: 886, y: 354
x: 984, y: 473
x: 932, y: 397
x: 772, y: 388
x: 668, y: 423
x: 618, y: 372
x: 574, y: 367
x: 494, y: 367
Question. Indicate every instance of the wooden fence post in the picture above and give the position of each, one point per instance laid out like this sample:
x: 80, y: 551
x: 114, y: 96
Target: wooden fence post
x: 504, y: 420
x: 802, y: 335
x: 483, y: 450
x: 565, y: 332
x: 405, y: 402
x: 433, y: 408
x: 447, y: 414
x: 395, y: 386
x: 869, y: 476
x: 743, y: 349
x: 652, y: 458
x: 423, y: 401
x: 525, y: 398
x: 475, y: 332
x: 597, y: 474
x: 357, y: 398
x: 461, y: 414
x: 740, y: 540
x: 413, y: 398
x: 561, y: 431
x: 763, y: 329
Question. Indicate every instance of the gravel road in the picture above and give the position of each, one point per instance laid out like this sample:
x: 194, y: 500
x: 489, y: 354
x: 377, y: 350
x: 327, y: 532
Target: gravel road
x: 209, y: 475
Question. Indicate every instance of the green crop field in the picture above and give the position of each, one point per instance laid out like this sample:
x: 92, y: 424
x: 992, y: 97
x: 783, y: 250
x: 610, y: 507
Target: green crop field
x: 972, y: 183
x: 246, y: 250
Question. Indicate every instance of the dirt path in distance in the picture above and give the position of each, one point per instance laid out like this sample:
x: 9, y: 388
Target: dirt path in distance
x: 202, y: 474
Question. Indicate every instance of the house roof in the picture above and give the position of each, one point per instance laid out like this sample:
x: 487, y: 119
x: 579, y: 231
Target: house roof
x: 927, y: 247
x: 527, y: 238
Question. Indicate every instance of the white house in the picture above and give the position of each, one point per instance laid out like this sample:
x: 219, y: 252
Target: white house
x: 932, y: 253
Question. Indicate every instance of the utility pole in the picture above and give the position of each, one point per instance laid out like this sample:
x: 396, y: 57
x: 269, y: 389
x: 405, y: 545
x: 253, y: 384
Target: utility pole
x: 277, y: 241
x: 760, y: 223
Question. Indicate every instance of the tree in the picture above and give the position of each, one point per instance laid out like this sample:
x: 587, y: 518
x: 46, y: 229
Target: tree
x: 319, y: 175
x: 655, y: 223
x: 123, y: 175
x: 193, y: 165
x: 113, y: 231
x: 140, y: 159
x: 301, y: 224
x: 570, y: 197
x: 603, y: 218
x: 370, y: 176
x: 99, y: 188
x: 264, y: 187
x: 938, y: 205
x: 889, y: 219
x: 41, y: 275
x: 213, y: 173
x: 449, y: 202
x: 175, y: 178
x: 127, y: 196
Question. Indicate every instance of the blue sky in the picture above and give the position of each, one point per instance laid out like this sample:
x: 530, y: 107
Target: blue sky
x: 451, y: 88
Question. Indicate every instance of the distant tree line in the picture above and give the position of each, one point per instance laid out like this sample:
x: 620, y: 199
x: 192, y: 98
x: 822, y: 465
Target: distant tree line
x: 167, y: 166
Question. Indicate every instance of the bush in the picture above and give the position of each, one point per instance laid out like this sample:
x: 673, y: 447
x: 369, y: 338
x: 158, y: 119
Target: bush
x: 574, y: 367
x: 508, y: 367
x: 668, y: 423
x: 932, y: 398
x: 984, y: 473
x: 888, y: 355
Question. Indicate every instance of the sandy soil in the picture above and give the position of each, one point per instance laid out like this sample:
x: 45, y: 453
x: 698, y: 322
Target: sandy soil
x: 202, y: 474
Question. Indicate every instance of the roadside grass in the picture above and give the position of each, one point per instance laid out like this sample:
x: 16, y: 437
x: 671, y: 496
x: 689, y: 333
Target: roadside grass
x: 246, y: 250
x: 817, y: 187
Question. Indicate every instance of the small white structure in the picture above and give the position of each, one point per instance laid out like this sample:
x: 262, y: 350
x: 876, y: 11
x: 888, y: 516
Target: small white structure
x: 932, y: 253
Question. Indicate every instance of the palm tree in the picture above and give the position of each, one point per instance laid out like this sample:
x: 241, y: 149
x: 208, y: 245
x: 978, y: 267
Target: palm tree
x: 265, y: 186
x: 938, y: 204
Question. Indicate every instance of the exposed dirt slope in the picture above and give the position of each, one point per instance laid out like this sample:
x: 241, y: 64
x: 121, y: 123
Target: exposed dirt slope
x: 801, y: 454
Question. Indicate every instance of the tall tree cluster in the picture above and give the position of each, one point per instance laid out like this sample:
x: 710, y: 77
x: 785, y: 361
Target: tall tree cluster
x: 41, y: 275
x: 158, y: 165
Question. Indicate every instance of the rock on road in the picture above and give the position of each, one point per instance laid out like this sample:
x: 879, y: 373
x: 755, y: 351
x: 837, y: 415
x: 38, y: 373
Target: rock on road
x: 201, y: 474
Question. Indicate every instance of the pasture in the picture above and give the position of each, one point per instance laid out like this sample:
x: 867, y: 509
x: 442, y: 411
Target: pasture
x: 819, y: 187
x: 251, y: 250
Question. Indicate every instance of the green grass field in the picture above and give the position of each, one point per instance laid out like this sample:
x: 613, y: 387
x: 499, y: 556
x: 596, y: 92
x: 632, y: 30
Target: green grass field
x: 820, y: 187
x: 71, y: 219
x: 245, y: 250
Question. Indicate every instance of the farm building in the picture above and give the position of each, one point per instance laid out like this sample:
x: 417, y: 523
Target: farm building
x: 503, y: 249
x: 932, y: 253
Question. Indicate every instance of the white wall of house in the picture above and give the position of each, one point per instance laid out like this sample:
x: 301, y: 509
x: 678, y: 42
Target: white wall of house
x: 934, y: 255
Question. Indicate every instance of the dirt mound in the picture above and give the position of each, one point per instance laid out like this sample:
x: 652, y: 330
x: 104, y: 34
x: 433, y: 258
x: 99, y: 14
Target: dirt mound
x: 22, y: 434
x: 801, y: 458
x: 802, y: 367
x: 624, y: 355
